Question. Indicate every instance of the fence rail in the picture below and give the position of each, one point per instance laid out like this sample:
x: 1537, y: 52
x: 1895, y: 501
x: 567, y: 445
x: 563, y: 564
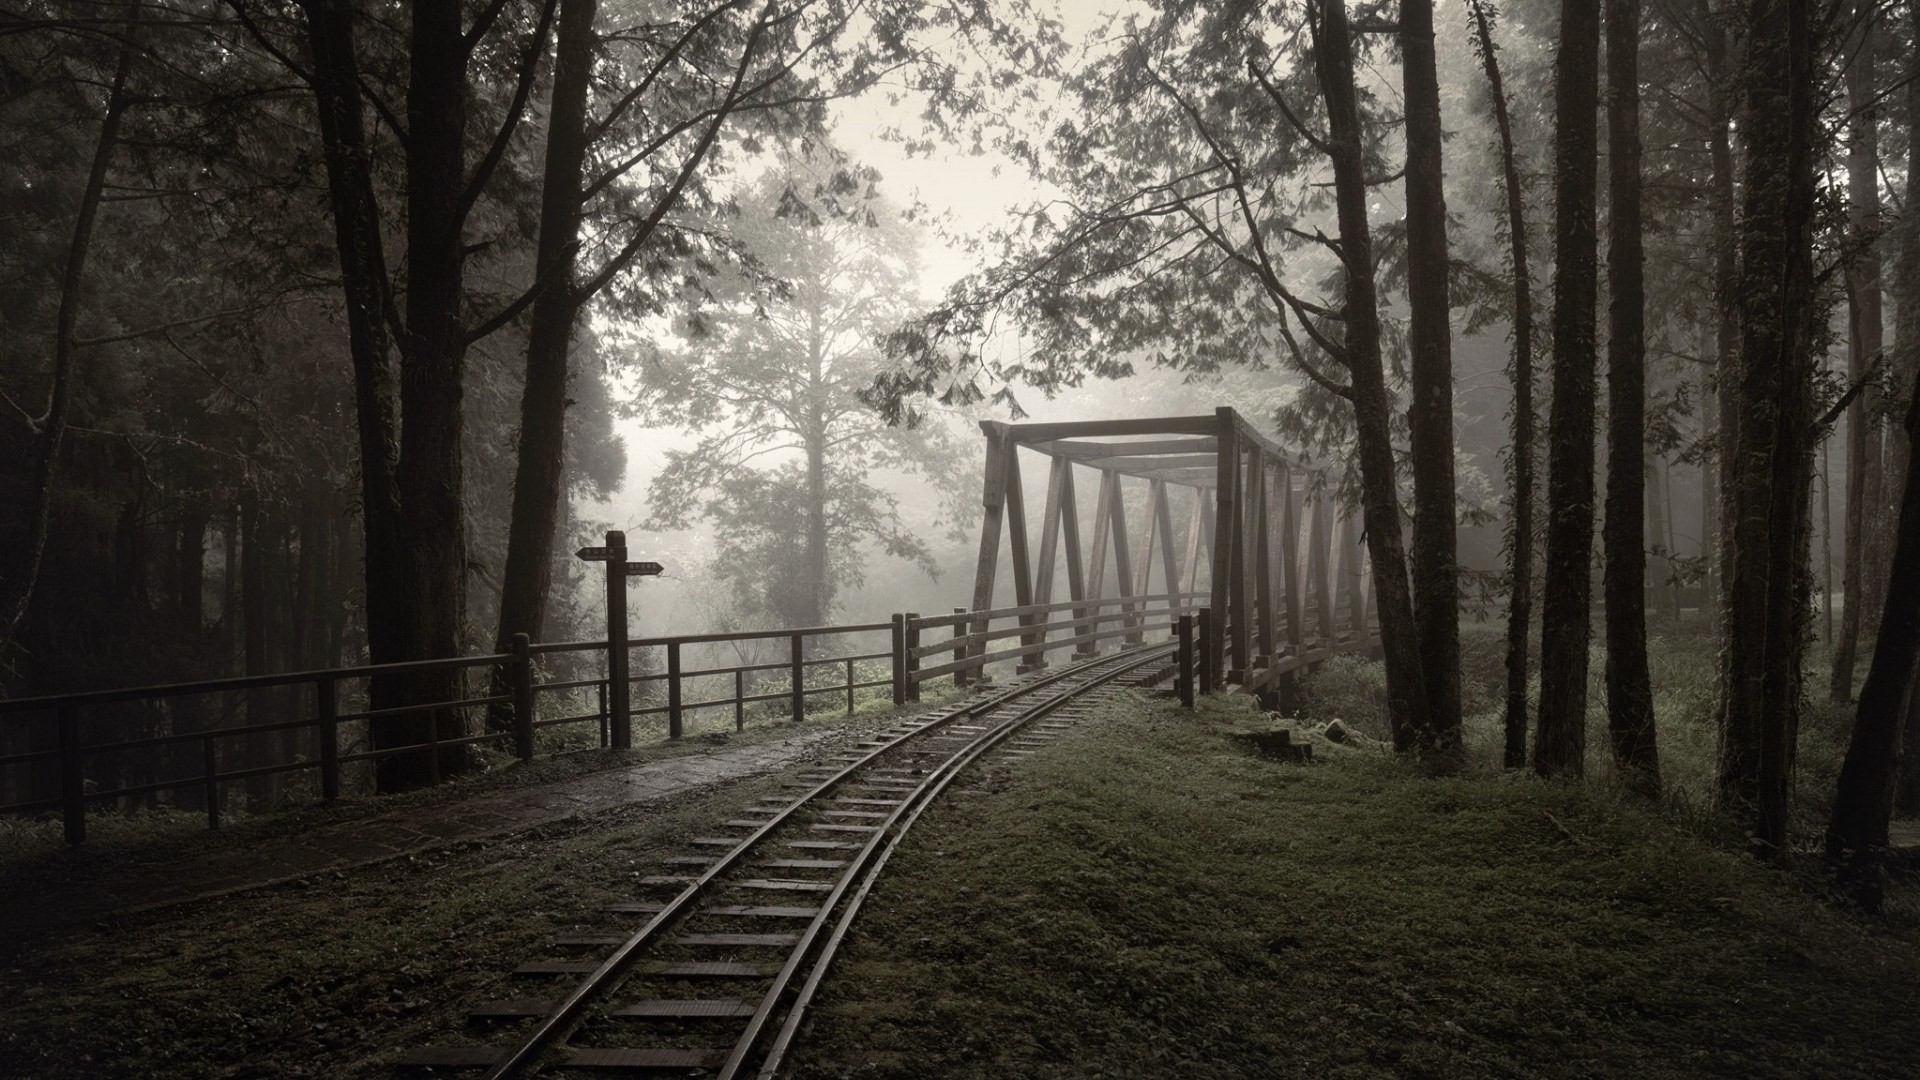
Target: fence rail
x: 70, y: 763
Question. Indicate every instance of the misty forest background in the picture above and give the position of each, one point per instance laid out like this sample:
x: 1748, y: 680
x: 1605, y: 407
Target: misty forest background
x: 332, y: 328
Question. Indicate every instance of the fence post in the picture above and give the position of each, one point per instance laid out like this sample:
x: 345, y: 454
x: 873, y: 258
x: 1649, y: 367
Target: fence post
x: 326, y: 696
x: 210, y: 765
x: 913, y: 662
x: 521, y: 673
x: 899, y: 659
x: 799, y: 679
x: 674, y: 700
x: 1206, y: 650
x: 601, y: 689
x: 849, y: 686
x: 73, y: 776
x: 1183, y: 673
x: 739, y: 700
x: 960, y: 649
x: 619, y: 687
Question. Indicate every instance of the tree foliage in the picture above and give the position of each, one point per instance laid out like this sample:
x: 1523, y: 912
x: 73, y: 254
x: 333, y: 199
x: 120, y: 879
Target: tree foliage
x: 768, y: 375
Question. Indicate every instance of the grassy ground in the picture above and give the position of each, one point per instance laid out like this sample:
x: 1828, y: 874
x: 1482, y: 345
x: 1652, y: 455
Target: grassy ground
x: 332, y: 975
x: 1682, y: 657
x: 1148, y: 899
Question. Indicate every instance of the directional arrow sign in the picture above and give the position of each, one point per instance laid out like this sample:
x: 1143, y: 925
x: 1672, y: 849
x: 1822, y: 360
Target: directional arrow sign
x: 644, y: 569
x: 596, y: 554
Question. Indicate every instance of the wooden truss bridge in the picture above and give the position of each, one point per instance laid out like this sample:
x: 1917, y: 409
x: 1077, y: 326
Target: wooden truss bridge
x: 1280, y: 573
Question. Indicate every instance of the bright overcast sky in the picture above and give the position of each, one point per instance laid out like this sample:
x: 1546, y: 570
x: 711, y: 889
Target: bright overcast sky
x: 970, y: 192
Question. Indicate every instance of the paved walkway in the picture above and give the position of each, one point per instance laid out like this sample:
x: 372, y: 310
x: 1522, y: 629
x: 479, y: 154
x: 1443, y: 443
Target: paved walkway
x: 349, y: 844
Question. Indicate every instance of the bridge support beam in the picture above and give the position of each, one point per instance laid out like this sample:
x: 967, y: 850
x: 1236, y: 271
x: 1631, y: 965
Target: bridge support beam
x: 1278, y: 592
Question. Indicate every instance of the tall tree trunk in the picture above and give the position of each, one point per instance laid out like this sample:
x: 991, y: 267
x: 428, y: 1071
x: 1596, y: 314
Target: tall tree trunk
x: 1520, y: 465
x: 254, y: 615
x: 1906, y: 363
x: 1864, y: 340
x: 1826, y: 539
x: 819, y: 588
x: 1857, y: 834
x: 189, y: 583
x: 1710, y: 438
x: 1560, y: 744
x: 1436, y: 579
x: 1772, y: 449
x: 190, y: 570
x: 1660, y: 524
x: 1726, y: 285
x: 537, y: 491
x: 1629, y: 684
x: 51, y: 426
x: 1399, y: 637
x: 357, y: 235
x: 433, y: 354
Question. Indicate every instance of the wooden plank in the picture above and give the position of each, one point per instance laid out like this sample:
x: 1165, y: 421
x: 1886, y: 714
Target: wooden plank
x: 1102, y: 536
x: 1224, y: 520
x: 1251, y: 436
x: 1017, y: 539
x: 1130, y: 462
x: 1207, y: 515
x: 1240, y: 600
x: 1263, y: 554
x: 1070, y: 536
x: 1289, y: 528
x: 1169, y: 567
x: 993, y: 500
x: 1149, y: 527
x: 1082, y: 450
x: 622, y: 1057
x: 1194, y: 477
x: 1319, y: 528
x: 1190, y: 561
x: 1058, y: 473
x: 1117, y: 536
x: 1099, y: 429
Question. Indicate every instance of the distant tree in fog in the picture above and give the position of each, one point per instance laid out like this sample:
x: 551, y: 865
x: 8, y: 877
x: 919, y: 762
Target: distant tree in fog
x: 768, y: 375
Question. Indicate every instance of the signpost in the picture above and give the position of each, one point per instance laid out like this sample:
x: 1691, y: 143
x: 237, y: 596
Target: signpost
x: 619, y: 684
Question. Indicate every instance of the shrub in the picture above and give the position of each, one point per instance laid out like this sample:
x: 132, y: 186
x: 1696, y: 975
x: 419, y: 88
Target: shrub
x: 1350, y: 689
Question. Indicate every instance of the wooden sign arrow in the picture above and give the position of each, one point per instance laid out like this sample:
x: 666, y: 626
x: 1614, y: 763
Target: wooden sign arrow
x: 644, y: 569
x: 596, y: 554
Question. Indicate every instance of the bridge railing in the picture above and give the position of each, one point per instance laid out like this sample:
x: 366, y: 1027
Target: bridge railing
x: 971, y: 634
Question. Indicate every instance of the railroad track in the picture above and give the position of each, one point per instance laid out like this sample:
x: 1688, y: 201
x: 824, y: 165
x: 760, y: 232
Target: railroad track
x: 718, y: 979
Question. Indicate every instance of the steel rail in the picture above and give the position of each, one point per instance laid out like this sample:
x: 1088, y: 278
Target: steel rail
x: 887, y: 841
x: 560, y: 1021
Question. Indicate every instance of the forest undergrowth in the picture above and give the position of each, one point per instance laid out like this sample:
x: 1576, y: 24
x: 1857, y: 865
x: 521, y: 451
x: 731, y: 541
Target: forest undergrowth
x: 1151, y: 899
x: 1683, y: 658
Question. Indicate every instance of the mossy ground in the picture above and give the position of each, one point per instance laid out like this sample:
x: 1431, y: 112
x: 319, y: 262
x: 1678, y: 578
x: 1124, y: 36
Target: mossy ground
x: 1146, y: 898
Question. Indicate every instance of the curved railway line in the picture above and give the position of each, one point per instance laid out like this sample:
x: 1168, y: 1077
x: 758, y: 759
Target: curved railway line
x: 712, y: 984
